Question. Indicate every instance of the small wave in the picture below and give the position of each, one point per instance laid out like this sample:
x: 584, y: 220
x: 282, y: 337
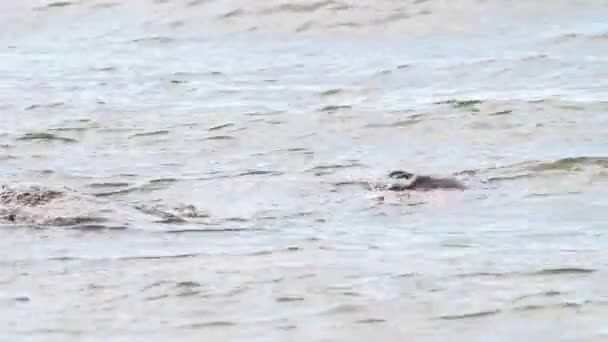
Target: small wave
x: 535, y: 57
x: 60, y: 4
x: 105, y: 5
x: 190, y: 211
x: 501, y: 112
x: 154, y: 298
x: 371, y: 321
x: 271, y: 252
x: 96, y: 227
x: 165, y: 216
x: 384, y: 72
x: 335, y: 166
x: 171, y: 219
x: 467, y: 173
x: 550, y: 271
x: 510, y: 177
x: 56, y: 4
x: 108, y: 185
x: 163, y: 181
x: 534, y: 307
x: 178, y: 81
x: 154, y: 39
x: 233, y: 14
x: 149, y: 134
x: 152, y: 185
x: 259, y: 173
x: 470, y: 315
x: 391, y: 18
x: 305, y: 27
x: 236, y: 219
x: 270, y: 113
x: 296, y: 149
x: 42, y: 136
x: 536, y: 168
x: 541, y: 294
x: 564, y: 270
x: 107, y: 69
x: 307, y: 8
x: 211, y: 230
x: 342, y: 25
x: 212, y: 324
x: 353, y: 183
x: 222, y: 126
x: 156, y: 284
x: 48, y: 105
x: 160, y: 257
x: 188, y: 293
x: 546, y: 194
x: 568, y: 37
x: 457, y: 245
x: 188, y: 284
x: 220, y: 137
x: 331, y: 92
x: 64, y: 258
x: 460, y: 103
x: 402, y: 123
x: 483, y: 274
x: 289, y: 299
x: 343, y: 309
x: 74, y: 221
x: 117, y: 192
x: 570, y: 164
x: 69, y: 129
x: 273, y: 122
x: 196, y: 3
x: 334, y: 108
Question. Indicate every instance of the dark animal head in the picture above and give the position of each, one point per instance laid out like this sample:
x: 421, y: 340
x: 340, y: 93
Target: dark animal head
x: 399, y: 174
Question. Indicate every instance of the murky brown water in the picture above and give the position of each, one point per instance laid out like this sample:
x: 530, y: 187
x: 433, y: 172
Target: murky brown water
x: 209, y: 154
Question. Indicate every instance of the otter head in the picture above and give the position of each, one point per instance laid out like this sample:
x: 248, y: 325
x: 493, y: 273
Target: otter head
x: 406, y: 181
x: 399, y: 174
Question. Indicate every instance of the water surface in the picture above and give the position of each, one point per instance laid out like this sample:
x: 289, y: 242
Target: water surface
x: 217, y: 145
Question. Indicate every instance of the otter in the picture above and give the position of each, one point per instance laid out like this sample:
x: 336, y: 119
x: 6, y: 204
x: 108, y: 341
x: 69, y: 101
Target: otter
x: 422, y: 182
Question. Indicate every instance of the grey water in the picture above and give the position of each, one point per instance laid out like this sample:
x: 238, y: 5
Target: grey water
x: 210, y: 152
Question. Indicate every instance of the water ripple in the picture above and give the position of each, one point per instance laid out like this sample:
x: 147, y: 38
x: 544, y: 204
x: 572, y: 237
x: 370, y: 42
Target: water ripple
x: 45, y: 137
x: 479, y: 314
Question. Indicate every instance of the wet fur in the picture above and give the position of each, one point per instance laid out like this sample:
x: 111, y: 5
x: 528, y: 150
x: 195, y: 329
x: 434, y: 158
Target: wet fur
x: 422, y: 182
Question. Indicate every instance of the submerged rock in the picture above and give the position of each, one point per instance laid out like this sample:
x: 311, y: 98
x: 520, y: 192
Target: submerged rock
x: 29, y: 198
x: 40, y: 207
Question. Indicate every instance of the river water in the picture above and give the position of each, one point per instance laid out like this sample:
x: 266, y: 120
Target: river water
x: 219, y: 143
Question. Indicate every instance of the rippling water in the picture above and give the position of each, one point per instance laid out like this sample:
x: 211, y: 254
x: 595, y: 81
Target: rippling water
x: 210, y: 153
